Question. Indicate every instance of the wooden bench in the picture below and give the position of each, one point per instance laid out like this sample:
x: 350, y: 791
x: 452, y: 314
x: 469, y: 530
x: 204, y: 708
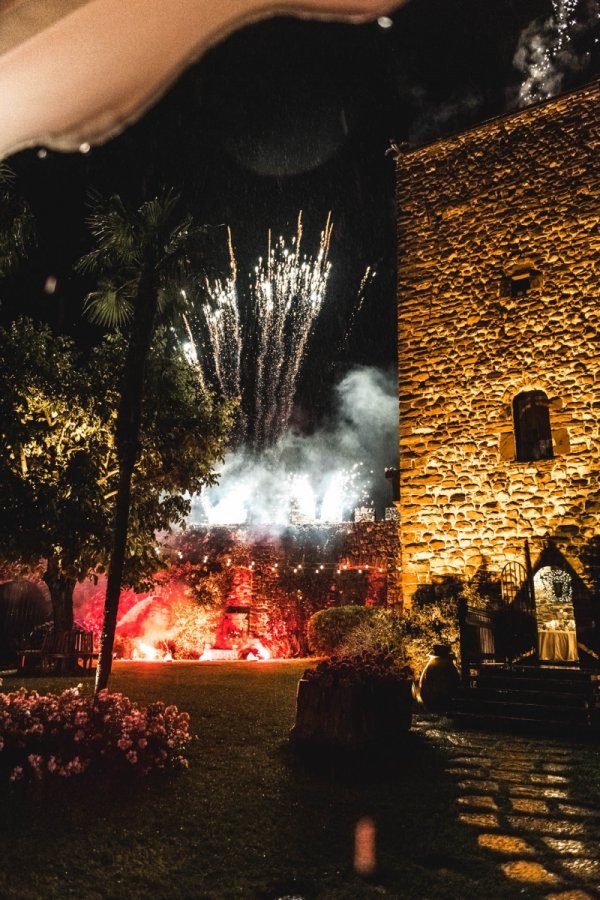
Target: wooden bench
x: 83, y: 648
x: 60, y: 651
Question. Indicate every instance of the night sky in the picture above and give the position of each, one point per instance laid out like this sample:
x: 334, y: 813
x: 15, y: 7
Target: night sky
x: 290, y: 115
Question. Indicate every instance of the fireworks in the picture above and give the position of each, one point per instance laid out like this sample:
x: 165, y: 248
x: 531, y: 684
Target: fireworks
x: 252, y: 345
x: 221, y: 317
x: 564, y: 11
x: 546, y: 52
x: 260, y: 360
x: 288, y: 294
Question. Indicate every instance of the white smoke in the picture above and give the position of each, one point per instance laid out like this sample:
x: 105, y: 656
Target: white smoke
x: 547, y: 49
x: 314, y: 478
x: 444, y: 118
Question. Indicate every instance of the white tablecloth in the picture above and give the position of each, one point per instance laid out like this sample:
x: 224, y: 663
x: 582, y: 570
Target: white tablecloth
x: 560, y: 646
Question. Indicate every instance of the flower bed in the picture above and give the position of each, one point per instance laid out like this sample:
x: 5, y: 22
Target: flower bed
x: 352, y: 702
x: 43, y: 735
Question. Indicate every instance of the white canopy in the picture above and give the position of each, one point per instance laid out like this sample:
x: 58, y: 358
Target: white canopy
x: 76, y: 72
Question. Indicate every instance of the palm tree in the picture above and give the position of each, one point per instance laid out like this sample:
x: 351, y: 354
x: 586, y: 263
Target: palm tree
x: 141, y: 258
x: 16, y: 224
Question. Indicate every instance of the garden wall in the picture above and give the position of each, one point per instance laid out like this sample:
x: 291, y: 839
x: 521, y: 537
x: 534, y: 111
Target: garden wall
x: 286, y: 576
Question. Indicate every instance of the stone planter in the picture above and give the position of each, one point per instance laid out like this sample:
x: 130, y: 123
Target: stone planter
x: 351, y: 716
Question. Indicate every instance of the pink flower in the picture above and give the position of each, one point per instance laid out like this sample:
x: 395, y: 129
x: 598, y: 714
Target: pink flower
x: 103, y: 728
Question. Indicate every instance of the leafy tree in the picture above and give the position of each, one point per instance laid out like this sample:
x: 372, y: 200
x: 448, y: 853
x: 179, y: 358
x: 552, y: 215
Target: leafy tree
x: 142, y: 259
x: 16, y: 224
x: 59, y: 465
x: 55, y: 462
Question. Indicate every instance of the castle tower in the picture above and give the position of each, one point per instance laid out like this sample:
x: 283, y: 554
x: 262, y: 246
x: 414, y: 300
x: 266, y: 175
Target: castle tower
x: 499, y: 341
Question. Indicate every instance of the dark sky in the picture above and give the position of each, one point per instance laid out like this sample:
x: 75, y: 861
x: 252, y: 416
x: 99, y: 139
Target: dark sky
x: 290, y: 115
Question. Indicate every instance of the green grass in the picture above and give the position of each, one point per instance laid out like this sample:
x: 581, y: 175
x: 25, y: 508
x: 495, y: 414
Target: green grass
x: 246, y: 820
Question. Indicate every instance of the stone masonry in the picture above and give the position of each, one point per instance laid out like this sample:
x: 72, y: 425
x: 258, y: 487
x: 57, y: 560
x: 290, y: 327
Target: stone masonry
x: 516, y: 196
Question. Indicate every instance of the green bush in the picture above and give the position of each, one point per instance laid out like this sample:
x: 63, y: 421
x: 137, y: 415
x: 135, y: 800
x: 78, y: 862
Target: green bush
x: 384, y: 631
x: 329, y: 628
x: 433, y: 619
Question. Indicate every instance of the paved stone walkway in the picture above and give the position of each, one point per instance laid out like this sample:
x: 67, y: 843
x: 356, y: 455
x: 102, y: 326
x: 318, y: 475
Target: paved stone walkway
x: 534, y: 804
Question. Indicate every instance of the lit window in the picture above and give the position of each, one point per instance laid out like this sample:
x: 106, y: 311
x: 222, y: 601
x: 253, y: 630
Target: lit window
x: 533, y: 436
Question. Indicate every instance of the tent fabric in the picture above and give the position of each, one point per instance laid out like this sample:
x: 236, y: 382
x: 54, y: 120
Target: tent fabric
x: 20, y: 19
x: 76, y: 72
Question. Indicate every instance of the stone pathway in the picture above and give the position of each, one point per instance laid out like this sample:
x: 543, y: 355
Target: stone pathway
x: 520, y: 797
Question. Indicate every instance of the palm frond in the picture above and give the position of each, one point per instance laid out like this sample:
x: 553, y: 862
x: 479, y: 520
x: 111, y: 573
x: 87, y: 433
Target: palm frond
x: 108, y: 307
x: 7, y: 176
x: 115, y: 233
x: 17, y: 232
x: 157, y: 239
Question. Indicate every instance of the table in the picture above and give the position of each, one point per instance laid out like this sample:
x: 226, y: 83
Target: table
x: 559, y: 646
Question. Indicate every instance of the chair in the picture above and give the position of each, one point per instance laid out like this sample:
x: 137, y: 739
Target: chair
x: 34, y: 659
x: 84, y: 648
x: 62, y: 655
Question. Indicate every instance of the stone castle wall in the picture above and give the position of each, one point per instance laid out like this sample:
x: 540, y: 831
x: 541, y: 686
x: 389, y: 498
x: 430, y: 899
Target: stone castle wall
x: 369, y: 546
x: 521, y: 193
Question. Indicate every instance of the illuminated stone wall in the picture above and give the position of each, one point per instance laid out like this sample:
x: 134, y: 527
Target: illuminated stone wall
x: 517, y: 194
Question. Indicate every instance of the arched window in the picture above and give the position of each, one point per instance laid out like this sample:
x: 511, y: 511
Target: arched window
x: 533, y: 436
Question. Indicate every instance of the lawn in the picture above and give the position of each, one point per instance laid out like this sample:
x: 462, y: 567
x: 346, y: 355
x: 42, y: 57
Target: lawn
x: 245, y: 820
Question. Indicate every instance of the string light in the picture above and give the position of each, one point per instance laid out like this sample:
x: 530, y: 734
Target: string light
x: 298, y: 568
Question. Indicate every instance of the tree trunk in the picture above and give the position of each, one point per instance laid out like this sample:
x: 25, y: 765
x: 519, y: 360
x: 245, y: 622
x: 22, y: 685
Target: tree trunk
x: 127, y: 442
x: 61, y: 594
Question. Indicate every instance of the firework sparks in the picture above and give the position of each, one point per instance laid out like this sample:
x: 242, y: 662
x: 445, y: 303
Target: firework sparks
x: 287, y: 296
x: 252, y: 346
x: 368, y: 276
x: 222, y: 319
x: 545, y: 52
x: 261, y: 360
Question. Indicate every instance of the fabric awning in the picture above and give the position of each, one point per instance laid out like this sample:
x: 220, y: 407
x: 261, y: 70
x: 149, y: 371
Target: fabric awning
x: 76, y: 72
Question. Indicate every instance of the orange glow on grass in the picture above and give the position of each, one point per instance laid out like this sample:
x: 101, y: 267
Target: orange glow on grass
x: 365, y: 860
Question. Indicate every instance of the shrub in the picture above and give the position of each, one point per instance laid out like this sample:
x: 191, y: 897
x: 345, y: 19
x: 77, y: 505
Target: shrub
x: 360, y: 668
x: 384, y: 631
x: 65, y: 734
x: 329, y: 628
x: 433, y: 619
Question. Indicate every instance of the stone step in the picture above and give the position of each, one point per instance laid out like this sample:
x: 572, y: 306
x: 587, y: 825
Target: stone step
x: 524, y: 726
x: 551, y: 685
x: 535, y: 695
x: 554, y: 673
x: 476, y: 706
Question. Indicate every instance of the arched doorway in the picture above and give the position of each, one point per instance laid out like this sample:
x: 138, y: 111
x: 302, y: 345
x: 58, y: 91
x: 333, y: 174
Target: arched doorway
x: 557, y: 639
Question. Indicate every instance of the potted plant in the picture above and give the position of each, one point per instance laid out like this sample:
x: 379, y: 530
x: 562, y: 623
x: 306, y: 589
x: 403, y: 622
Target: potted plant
x: 349, y: 702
